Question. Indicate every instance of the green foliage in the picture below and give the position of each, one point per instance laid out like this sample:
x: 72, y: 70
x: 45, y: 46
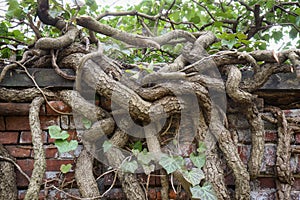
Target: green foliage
x: 86, y: 123
x: 171, y: 163
x: 61, y: 142
x: 64, y: 146
x: 106, y: 146
x: 55, y: 132
x: 216, y: 16
x: 138, y: 146
x: 65, y: 168
x: 129, y: 166
x: 194, y: 176
x: 205, y: 192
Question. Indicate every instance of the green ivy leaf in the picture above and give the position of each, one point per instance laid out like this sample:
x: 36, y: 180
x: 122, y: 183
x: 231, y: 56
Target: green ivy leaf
x: 194, y: 176
x: 201, y: 147
x: 138, y: 145
x: 277, y: 35
x: 129, y: 166
x: 65, y: 146
x: 229, y: 43
x: 205, y: 192
x: 56, y: 133
x: 65, y: 168
x: 145, y: 157
x: 106, y: 146
x: 199, y: 160
x: 86, y: 123
x: 148, y: 169
x: 171, y: 163
x: 297, y: 21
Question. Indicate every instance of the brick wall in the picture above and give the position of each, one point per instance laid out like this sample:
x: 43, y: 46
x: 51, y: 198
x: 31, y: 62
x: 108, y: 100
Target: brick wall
x: 16, y: 137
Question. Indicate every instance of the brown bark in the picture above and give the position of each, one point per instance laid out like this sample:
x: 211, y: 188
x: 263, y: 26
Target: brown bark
x: 8, y: 186
x: 39, y: 154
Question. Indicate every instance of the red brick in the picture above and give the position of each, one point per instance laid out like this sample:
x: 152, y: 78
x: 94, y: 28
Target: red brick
x: 25, y: 137
x: 59, y: 106
x: 72, y: 133
x: 19, y: 151
x: 22, y: 194
x: 143, y: 178
x: 22, y: 122
x: 269, y: 159
x: 51, y: 151
x: 17, y: 109
x: 172, y: 194
x: 54, y: 165
x: 267, y: 182
x: 9, y: 137
x: 17, y: 123
x: 297, y: 138
x: 270, y: 136
x: 47, y: 121
x: 296, y: 185
x: 27, y: 167
x: 2, y: 124
x: 244, y: 152
x: 152, y: 194
x: 26, y: 164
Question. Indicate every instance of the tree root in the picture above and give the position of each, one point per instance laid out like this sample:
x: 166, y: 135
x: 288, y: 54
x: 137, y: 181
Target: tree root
x: 39, y: 154
x: 8, y: 186
x: 283, y: 153
x: 84, y: 175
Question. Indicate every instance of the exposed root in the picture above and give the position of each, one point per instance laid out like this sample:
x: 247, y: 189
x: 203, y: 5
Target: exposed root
x: 58, y: 70
x: 84, y: 175
x: 39, y: 154
x: 253, y: 117
x: 283, y: 153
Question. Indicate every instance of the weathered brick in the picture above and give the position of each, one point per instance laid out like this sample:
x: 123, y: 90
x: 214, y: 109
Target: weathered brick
x: 47, y: 121
x: 51, y: 151
x: 22, y: 193
x: 152, y: 194
x: 297, y: 138
x: 59, y: 106
x: 2, y: 124
x: 116, y: 193
x: 64, y: 121
x: 17, y: 109
x: 9, y: 137
x: 25, y: 137
x: 244, y: 152
x: 27, y: 167
x: 172, y: 194
x: 268, y: 194
x: 54, y: 165
x: 74, y: 192
x: 292, y: 113
x: 22, y: 122
x: 266, y: 182
x: 19, y: 151
x: 269, y: 159
x: 271, y: 136
x: 18, y: 123
x: 296, y: 185
x: 26, y: 164
x: 144, y: 178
